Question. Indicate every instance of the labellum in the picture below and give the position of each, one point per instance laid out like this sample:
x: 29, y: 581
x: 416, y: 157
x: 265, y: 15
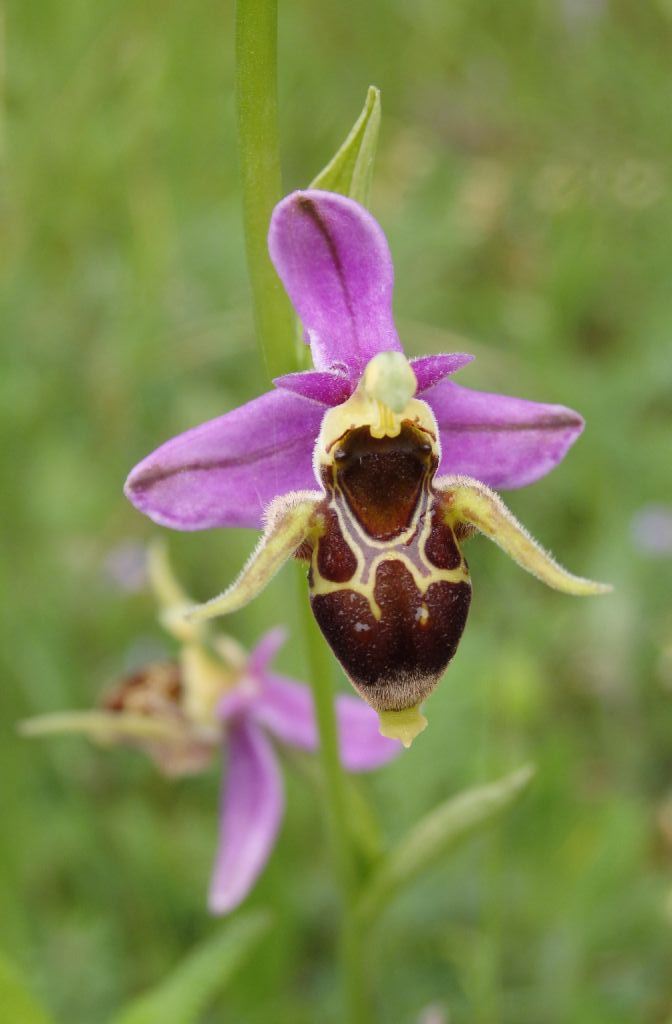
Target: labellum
x: 389, y: 586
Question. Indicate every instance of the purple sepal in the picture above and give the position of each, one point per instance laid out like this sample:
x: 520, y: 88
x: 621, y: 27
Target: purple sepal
x: 226, y: 471
x: 251, y: 810
x: 505, y: 442
x: 334, y: 262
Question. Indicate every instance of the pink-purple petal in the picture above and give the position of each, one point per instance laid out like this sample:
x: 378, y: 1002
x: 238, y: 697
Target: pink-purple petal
x: 429, y: 370
x: 505, y: 442
x: 362, y: 746
x: 251, y: 810
x: 334, y: 262
x: 225, y: 472
x: 321, y: 386
x: 265, y: 651
x: 286, y: 709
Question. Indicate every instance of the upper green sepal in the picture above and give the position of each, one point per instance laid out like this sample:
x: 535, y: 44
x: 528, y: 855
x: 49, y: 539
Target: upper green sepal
x: 350, y: 170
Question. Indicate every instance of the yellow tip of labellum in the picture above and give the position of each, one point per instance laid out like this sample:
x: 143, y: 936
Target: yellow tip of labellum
x: 402, y: 725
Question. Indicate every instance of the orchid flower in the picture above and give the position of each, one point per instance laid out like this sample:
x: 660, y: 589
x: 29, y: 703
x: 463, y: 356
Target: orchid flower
x: 389, y: 584
x: 217, y: 696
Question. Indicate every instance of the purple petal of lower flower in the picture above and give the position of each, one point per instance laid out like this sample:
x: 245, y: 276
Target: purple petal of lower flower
x: 321, y: 386
x: 267, y: 648
x: 333, y: 259
x: 505, y: 442
x: 429, y: 370
x: 225, y: 472
x: 286, y: 709
x: 251, y: 811
x: 362, y: 746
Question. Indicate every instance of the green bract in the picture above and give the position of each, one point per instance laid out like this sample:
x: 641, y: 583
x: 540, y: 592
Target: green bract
x: 350, y: 170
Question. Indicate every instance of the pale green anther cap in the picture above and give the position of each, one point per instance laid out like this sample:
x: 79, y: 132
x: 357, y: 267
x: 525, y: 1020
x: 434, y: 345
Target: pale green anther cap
x: 389, y: 379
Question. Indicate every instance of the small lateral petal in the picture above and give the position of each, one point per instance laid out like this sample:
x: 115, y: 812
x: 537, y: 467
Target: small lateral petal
x: 225, y: 472
x: 505, y: 442
x: 334, y: 262
x: 320, y: 386
x: 251, y: 810
x: 429, y: 370
x: 470, y: 502
x: 289, y: 521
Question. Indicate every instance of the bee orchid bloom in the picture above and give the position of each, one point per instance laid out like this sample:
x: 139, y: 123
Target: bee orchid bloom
x: 404, y: 460
x: 217, y: 697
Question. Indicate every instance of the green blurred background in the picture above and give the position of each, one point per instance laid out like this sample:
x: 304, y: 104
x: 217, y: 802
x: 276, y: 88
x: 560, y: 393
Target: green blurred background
x: 523, y: 180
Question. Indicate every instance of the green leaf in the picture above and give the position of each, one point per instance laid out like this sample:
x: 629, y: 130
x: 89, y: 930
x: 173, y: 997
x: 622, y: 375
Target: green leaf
x: 351, y: 169
x: 185, y: 993
x: 16, y: 999
x: 436, y: 834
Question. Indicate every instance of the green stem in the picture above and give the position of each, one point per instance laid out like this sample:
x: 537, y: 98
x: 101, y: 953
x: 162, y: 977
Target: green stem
x: 258, y: 144
x: 353, y: 955
x: 259, y: 154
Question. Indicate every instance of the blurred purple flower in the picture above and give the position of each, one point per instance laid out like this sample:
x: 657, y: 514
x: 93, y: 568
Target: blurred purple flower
x: 264, y: 705
x: 181, y: 712
x: 333, y: 259
x: 125, y: 566
x: 651, y: 529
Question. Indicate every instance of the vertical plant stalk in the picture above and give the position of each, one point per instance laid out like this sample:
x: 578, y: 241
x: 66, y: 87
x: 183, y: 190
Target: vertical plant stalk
x: 336, y: 799
x: 258, y: 144
x: 259, y: 155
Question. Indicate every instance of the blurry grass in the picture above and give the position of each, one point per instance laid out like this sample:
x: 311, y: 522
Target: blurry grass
x: 524, y: 182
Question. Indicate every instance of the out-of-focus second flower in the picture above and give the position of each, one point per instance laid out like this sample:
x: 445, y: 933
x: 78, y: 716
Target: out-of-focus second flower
x: 215, y: 696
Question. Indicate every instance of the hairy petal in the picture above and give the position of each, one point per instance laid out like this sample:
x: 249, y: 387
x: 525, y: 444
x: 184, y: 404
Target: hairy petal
x: 286, y: 709
x: 333, y: 259
x: 470, y: 502
x: 322, y: 386
x: 289, y: 521
x: 226, y: 471
x: 505, y: 442
x: 251, y: 811
x: 429, y: 370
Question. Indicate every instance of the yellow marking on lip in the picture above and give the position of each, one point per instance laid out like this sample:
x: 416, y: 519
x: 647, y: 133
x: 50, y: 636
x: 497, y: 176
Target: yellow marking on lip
x: 365, y: 583
x: 361, y: 545
x: 321, y: 587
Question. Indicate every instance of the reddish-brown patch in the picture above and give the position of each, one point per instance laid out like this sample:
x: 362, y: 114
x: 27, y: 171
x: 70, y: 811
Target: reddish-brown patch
x: 335, y: 560
x: 157, y: 684
x: 385, y: 657
x: 441, y: 548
